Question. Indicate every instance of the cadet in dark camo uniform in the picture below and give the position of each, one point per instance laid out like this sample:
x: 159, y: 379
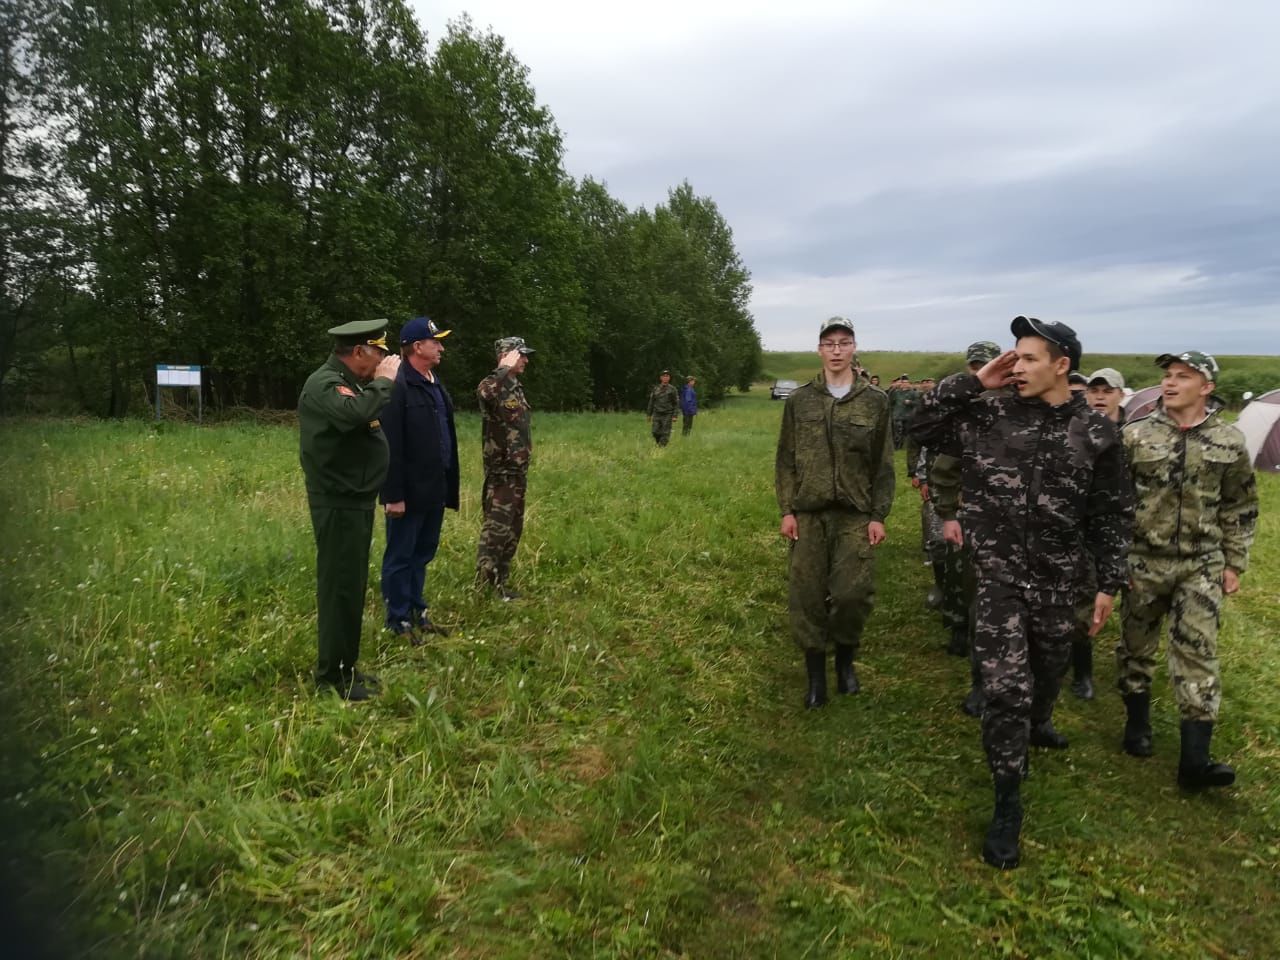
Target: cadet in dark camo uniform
x: 507, y: 446
x: 1045, y: 489
x: 663, y: 408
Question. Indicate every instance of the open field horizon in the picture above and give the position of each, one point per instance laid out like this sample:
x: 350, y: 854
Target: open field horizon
x: 618, y: 766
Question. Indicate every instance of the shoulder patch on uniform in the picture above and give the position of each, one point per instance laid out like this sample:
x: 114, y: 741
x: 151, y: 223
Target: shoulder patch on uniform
x: 345, y: 390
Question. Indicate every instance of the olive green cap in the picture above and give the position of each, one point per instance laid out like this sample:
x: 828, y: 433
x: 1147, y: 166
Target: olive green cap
x: 1200, y: 362
x: 372, y: 333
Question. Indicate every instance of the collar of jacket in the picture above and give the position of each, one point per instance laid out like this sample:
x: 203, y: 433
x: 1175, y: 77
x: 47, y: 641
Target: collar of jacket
x: 1213, y: 406
x: 855, y: 388
x: 1073, y: 406
x: 335, y: 363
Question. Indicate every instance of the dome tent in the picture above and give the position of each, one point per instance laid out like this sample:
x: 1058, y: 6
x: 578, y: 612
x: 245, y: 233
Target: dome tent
x: 1260, y: 424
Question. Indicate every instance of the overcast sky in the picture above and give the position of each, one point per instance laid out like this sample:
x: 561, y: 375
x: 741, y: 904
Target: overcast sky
x: 932, y: 170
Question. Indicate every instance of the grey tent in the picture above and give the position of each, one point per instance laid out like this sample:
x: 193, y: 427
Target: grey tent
x: 1141, y: 403
x: 1260, y: 424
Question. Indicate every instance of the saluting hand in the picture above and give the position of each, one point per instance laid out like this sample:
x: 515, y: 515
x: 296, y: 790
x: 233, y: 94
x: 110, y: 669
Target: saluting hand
x: 388, y: 366
x: 509, y: 359
x: 999, y: 372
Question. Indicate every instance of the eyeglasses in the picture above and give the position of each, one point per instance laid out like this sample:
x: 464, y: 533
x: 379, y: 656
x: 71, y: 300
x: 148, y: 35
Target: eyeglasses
x: 836, y: 344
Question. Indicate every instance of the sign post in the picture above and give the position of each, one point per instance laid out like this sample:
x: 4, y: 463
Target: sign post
x: 180, y: 375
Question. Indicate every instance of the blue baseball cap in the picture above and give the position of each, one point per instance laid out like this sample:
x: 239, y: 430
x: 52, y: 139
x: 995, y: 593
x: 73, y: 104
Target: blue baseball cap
x: 421, y: 328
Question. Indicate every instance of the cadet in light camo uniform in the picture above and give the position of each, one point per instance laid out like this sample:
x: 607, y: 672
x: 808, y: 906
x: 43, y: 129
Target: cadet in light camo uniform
x: 507, y: 446
x: 1043, y: 479
x: 663, y: 408
x: 1197, y: 509
x: 834, y: 481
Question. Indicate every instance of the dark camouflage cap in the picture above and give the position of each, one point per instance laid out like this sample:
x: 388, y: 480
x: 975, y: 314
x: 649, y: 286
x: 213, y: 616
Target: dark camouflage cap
x: 1200, y: 362
x: 1056, y: 332
x: 983, y: 351
x: 507, y: 344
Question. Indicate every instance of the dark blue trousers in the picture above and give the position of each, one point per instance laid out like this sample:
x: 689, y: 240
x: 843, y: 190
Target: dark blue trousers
x: 412, y: 541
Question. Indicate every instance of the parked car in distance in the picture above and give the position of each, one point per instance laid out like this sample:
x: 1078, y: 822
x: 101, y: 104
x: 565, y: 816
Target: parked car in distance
x: 781, y: 389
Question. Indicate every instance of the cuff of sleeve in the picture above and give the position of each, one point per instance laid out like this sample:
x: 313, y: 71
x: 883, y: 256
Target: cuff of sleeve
x: 945, y: 513
x: 1237, y: 562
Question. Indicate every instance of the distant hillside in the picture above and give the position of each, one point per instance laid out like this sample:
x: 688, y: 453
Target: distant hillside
x: 1239, y: 374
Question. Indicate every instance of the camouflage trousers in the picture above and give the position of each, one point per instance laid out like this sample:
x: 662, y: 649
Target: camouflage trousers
x: 1189, y: 592
x: 661, y: 428
x: 832, y: 589
x: 949, y: 565
x: 503, y: 504
x: 1020, y: 647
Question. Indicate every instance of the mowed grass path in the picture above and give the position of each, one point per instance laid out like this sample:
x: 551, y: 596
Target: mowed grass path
x: 616, y: 767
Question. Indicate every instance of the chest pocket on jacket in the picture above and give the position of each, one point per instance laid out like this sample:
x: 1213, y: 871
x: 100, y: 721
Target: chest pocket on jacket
x: 1153, y: 463
x: 853, y: 431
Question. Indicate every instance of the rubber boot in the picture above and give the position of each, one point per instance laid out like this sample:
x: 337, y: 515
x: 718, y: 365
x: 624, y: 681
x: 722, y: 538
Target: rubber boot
x: 1001, y: 846
x: 1196, y: 769
x: 815, y: 662
x: 1044, y: 735
x: 846, y: 677
x: 958, y: 645
x: 1082, y: 662
x: 1137, y: 726
x: 975, y: 702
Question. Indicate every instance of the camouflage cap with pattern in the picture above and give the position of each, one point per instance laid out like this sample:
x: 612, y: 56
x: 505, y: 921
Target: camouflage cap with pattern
x: 507, y: 344
x: 983, y: 351
x: 1200, y: 362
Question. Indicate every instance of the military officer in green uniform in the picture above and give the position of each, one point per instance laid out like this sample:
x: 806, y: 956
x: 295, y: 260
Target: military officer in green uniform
x: 1197, y: 511
x: 664, y: 407
x: 344, y: 460
x: 507, y: 446
x: 834, y: 481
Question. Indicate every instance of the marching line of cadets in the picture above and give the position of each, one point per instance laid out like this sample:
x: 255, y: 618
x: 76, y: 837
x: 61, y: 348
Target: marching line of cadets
x: 1038, y: 507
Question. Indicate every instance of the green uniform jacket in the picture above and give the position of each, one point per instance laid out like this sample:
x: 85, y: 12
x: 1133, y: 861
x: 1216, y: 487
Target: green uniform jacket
x: 506, y: 440
x: 835, y: 453
x: 343, y: 451
x: 664, y: 401
x: 1195, y: 488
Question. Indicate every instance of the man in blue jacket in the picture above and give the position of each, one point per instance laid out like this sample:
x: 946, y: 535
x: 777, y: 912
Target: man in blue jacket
x: 688, y: 404
x: 422, y: 478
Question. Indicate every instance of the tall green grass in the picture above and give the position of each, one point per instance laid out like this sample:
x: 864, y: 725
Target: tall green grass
x: 617, y: 766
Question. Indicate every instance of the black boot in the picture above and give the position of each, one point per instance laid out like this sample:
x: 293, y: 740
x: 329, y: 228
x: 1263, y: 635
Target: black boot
x: 1137, y: 728
x: 1196, y: 769
x: 975, y: 702
x: 1082, y: 662
x: 846, y: 678
x: 815, y: 662
x: 958, y: 645
x: 1043, y: 735
x: 1001, y: 846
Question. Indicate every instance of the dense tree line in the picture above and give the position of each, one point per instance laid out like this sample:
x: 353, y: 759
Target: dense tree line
x: 219, y: 181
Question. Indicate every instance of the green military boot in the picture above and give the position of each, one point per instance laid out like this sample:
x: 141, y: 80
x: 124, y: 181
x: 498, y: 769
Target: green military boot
x: 1001, y: 846
x: 815, y: 662
x: 846, y: 677
x: 1137, y: 726
x: 1082, y: 664
x: 1196, y: 769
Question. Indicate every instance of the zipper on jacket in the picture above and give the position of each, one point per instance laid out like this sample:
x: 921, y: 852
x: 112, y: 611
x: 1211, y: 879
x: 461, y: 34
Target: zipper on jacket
x: 1182, y: 477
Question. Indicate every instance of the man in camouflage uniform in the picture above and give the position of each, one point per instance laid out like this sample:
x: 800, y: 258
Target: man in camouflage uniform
x: 663, y: 408
x: 1197, y: 509
x: 1104, y: 391
x: 344, y: 459
x: 1043, y: 480
x: 904, y: 399
x: 507, y: 446
x: 834, y: 481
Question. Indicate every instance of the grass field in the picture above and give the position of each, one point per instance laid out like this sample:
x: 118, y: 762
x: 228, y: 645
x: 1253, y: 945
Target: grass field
x: 616, y: 767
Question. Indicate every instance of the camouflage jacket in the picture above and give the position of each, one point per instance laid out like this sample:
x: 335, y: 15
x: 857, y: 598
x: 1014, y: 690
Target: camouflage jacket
x: 835, y: 453
x: 1040, y: 485
x: 664, y: 401
x: 908, y: 403
x: 340, y: 440
x: 1195, y: 488
x: 505, y: 427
